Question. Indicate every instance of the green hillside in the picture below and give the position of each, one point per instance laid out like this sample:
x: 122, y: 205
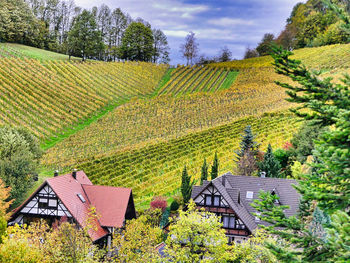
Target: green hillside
x: 21, y: 51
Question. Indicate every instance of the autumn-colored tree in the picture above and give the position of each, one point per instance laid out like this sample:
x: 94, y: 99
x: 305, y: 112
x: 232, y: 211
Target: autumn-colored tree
x: 196, y: 236
x: 137, y: 242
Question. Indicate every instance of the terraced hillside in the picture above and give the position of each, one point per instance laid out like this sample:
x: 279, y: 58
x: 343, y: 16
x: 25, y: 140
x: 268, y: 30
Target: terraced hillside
x: 156, y: 169
x: 184, y: 80
x: 47, y: 97
x: 21, y: 51
x: 147, y: 121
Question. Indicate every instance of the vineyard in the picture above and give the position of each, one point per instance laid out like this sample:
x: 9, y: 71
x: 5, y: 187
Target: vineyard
x: 184, y: 80
x: 22, y: 51
x: 47, y: 97
x: 325, y: 57
x: 145, y: 121
x: 156, y: 169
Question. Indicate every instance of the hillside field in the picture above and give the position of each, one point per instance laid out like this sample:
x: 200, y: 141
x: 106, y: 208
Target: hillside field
x: 137, y: 124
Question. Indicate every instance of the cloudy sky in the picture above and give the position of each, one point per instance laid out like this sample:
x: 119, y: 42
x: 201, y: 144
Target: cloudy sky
x: 237, y: 24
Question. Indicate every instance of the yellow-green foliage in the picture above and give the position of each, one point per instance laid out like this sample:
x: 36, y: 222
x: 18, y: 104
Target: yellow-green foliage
x: 185, y: 80
x: 47, y: 97
x: 141, y: 122
x: 156, y: 169
x: 326, y: 57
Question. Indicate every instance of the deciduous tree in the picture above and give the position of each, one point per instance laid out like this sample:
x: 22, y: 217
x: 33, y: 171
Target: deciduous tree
x: 84, y: 39
x: 137, y: 43
x: 190, y: 49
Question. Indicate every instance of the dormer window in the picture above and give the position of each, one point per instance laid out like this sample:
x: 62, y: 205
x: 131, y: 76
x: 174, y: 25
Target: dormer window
x: 250, y: 195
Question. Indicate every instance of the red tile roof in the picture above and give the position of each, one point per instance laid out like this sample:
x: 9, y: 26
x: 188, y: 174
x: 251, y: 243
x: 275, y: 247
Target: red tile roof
x: 67, y: 189
x: 110, y: 202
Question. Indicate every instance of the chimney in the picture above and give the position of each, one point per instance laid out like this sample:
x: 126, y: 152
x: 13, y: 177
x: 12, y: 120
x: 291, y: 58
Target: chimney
x: 262, y: 174
x: 55, y: 173
x: 74, y: 173
x: 224, y: 180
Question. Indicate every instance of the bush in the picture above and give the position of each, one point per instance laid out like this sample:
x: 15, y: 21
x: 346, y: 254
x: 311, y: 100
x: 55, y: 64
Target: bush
x: 174, y: 206
x: 159, y: 202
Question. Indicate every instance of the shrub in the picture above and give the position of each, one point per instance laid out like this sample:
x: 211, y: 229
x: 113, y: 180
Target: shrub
x: 174, y: 206
x: 159, y: 202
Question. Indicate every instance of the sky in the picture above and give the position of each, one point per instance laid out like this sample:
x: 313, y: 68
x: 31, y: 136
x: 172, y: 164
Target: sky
x: 236, y: 24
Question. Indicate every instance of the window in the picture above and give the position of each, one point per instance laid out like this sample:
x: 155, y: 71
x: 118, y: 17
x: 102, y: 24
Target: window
x: 212, y: 200
x: 81, y: 198
x: 43, y: 202
x: 216, y: 200
x: 257, y: 216
x: 229, y: 221
x: 250, y: 195
x: 208, y: 200
x: 47, y: 202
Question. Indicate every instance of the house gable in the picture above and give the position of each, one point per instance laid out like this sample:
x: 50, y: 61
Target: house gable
x: 44, y: 202
x: 212, y: 200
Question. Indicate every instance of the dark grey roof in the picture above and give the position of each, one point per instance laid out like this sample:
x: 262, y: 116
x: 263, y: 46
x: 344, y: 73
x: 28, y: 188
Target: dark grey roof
x: 239, y: 185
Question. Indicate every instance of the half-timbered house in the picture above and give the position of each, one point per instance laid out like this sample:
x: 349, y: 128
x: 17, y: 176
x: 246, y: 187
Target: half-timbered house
x: 72, y: 196
x: 230, y: 197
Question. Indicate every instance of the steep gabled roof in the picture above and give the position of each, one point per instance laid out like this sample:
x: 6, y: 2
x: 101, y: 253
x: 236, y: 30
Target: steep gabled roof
x: 79, y: 195
x: 233, y: 187
x: 111, y: 203
x: 67, y: 189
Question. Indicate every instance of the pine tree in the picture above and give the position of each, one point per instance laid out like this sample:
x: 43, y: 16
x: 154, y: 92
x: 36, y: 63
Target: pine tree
x: 186, y: 186
x: 204, y: 175
x: 327, y: 183
x: 215, y: 167
x: 248, y: 143
x: 270, y: 165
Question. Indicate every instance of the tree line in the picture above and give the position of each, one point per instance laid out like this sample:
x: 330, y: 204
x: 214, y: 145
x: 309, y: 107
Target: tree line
x: 311, y: 24
x: 100, y: 33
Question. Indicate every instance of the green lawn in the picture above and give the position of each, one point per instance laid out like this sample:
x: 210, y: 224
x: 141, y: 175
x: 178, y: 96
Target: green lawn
x: 21, y: 51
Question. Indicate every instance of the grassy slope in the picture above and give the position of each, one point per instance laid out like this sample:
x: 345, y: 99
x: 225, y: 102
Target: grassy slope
x: 22, y: 51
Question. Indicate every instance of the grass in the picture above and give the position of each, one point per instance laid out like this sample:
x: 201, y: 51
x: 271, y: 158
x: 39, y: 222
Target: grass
x: 22, y: 51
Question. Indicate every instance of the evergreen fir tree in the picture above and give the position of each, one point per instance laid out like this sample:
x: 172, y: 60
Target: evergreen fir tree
x: 327, y: 183
x: 248, y: 143
x: 186, y: 186
x: 215, y: 167
x: 204, y: 174
x: 270, y: 165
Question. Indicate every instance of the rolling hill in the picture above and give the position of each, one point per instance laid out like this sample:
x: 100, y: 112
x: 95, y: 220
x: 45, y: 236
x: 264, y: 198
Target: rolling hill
x: 137, y: 124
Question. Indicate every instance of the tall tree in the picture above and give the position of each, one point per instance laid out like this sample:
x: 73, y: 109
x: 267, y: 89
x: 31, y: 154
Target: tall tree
x: 137, y: 43
x: 84, y: 39
x: 161, y: 47
x: 326, y: 183
x: 264, y: 47
x: 215, y: 167
x: 270, y: 165
x: 204, y: 171
x: 186, y: 186
x: 190, y: 49
x: 250, y: 53
x: 225, y: 54
x: 19, y: 156
x: 247, y: 143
